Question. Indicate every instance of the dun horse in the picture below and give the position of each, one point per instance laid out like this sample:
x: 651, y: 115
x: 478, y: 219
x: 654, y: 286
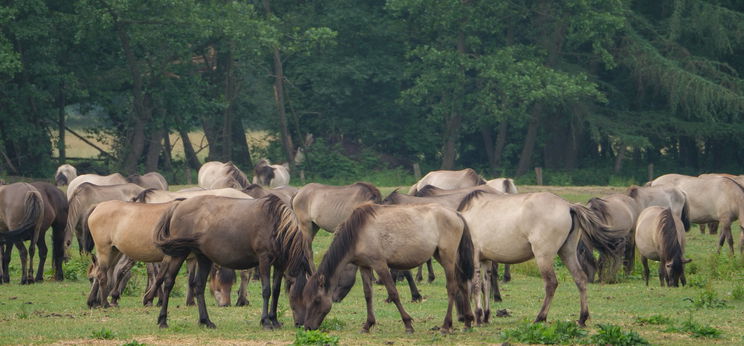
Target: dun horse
x: 660, y: 236
x: 21, y: 217
x: 95, y: 179
x: 152, y: 180
x: 216, y: 175
x: 515, y: 228
x: 235, y: 233
x: 266, y: 174
x: 505, y: 185
x: 448, y: 180
x: 378, y: 238
x: 65, y: 174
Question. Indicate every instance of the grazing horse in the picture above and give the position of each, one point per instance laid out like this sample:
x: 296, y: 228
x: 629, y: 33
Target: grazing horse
x: 86, y: 196
x: 216, y: 175
x: 160, y: 196
x: 448, y: 180
x: 100, y: 180
x: 152, y: 180
x: 121, y: 228
x: 21, y: 216
x: 65, y: 174
x: 660, y: 236
x: 266, y: 174
x: 515, y: 228
x: 711, y: 198
x: 505, y: 185
x: 380, y: 237
x: 235, y: 233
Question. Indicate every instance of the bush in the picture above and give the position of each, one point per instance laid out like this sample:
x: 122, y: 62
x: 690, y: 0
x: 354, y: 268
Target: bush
x: 133, y: 343
x: 76, y: 268
x: 314, y: 337
x: 738, y: 292
x: 542, y: 333
x: 609, y: 334
x: 103, y: 334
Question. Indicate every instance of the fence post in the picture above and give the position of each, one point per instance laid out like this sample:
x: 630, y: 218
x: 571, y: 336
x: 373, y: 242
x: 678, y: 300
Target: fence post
x: 416, y: 171
x: 650, y: 171
x: 538, y: 175
x: 187, y: 171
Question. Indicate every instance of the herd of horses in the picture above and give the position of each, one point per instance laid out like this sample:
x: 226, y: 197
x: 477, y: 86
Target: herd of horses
x: 469, y: 225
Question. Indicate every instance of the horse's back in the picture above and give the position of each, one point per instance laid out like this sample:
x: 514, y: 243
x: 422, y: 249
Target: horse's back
x: 14, y: 204
x: 111, y: 179
x: 449, y: 180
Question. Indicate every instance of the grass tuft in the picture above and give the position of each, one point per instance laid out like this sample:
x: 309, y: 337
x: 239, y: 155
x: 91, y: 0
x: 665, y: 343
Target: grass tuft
x: 314, y: 337
x: 102, y: 334
x: 653, y: 320
x: 541, y: 333
x: 610, y: 334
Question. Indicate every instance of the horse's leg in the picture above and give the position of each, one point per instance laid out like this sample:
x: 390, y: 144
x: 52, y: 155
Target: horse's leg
x: 419, y: 273
x: 493, y: 276
x: 2, y: 260
x: 43, y: 251
x: 726, y: 235
x: 245, y: 279
x: 741, y: 239
x: 276, y: 289
x: 167, y: 277
x: 264, y: 268
x: 713, y: 227
x: 122, y: 275
x: 203, y: 267
x: 431, y: 271
x: 6, y: 261
x: 415, y: 295
x: 629, y: 256
x: 383, y: 273
x: 191, y: 268
x: 644, y: 261
x: 568, y: 256
x: 367, y: 281
x: 507, y: 273
x: 152, y: 271
x: 24, y: 258
x: 479, y: 280
x: 702, y: 228
x: 545, y: 264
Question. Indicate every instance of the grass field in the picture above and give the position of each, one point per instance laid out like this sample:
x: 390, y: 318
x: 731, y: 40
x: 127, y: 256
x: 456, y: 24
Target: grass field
x: 55, y: 312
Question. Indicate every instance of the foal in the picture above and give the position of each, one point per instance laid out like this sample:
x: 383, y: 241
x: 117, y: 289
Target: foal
x: 660, y: 236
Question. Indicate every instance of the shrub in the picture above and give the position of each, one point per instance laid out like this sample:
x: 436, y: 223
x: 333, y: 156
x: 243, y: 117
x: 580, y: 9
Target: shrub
x: 609, y: 334
x: 76, y: 268
x: 103, y: 334
x: 314, y: 337
x: 542, y: 333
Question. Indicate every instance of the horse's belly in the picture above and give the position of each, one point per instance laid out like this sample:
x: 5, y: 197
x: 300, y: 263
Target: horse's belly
x: 141, y: 253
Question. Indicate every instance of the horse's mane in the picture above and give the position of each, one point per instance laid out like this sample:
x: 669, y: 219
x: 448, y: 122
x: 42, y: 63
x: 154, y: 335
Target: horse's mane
x: 235, y: 173
x: 473, y: 175
x: 346, y: 238
x: 599, y: 207
x: 393, y: 196
x: 142, y: 196
x: 427, y: 191
x: 632, y: 191
x: 465, y: 203
x: 289, y: 242
x: 373, y: 194
x: 735, y: 182
x: 133, y: 178
x: 671, y: 249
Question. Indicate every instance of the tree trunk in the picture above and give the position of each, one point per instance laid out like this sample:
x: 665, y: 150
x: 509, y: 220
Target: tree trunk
x: 525, y: 158
x: 61, y: 128
x: 279, y: 98
x: 488, y: 145
x: 153, y: 150
x: 167, y: 152
x: 620, y: 157
x: 241, y: 153
x: 188, y: 150
x: 229, y: 94
x: 498, y: 151
x: 452, y: 133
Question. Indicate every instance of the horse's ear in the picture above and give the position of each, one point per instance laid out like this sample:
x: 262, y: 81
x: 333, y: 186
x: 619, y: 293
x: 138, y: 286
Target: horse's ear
x: 322, y: 281
x: 686, y: 260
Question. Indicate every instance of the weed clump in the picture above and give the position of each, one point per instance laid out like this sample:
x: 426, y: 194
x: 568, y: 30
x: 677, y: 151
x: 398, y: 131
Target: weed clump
x: 610, y: 334
x: 541, y: 333
x: 314, y: 337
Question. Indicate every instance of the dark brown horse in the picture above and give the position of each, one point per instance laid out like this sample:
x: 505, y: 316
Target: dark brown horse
x: 380, y: 237
x: 234, y: 233
x: 21, y: 217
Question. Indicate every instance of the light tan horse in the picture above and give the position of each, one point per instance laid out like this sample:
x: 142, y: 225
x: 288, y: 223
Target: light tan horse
x: 381, y: 237
x: 712, y: 198
x: 448, y: 180
x: 660, y: 236
x: 432, y: 191
x: 216, y: 175
x: 88, y: 195
x: 160, y: 196
x: 713, y: 226
x: 21, y: 216
x: 515, y: 228
x: 100, y: 180
x: 65, y: 174
x: 505, y: 185
x: 266, y: 174
x: 152, y: 180
x: 121, y: 228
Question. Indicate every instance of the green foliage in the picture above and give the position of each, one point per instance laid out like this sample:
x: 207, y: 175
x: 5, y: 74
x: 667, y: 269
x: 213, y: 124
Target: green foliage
x: 609, y: 334
x: 653, y: 320
x: 314, y: 337
x: 103, y: 334
x: 695, y: 329
x: 707, y: 299
x: 133, y: 343
x: 559, y: 332
x: 331, y: 324
x: 738, y: 292
x: 76, y: 268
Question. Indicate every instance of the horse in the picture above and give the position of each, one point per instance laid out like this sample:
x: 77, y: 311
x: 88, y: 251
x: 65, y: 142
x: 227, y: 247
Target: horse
x: 65, y: 174
x: 660, y: 236
x: 286, y: 192
x: 515, y: 228
x: 215, y: 175
x: 235, y: 233
x: 380, y: 237
x: 100, y: 180
x: 448, y: 180
x: 505, y: 185
x: 161, y: 196
x: 88, y: 195
x: 432, y: 191
x: 713, y: 226
x: 266, y: 174
x: 221, y: 281
x: 152, y: 180
x: 711, y: 198
x: 21, y: 217
x: 121, y: 228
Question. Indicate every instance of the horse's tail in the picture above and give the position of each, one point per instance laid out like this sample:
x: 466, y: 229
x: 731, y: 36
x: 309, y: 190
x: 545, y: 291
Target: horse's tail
x: 173, y: 246
x: 509, y: 186
x: 464, y: 270
x: 142, y: 196
x: 33, y: 215
x: 597, y: 233
x: 88, y: 243
x: 685, y: 217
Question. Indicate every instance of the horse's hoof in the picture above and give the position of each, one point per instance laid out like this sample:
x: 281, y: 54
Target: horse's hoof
x: 430, y: 279
x: 242, y: 302
x: 409, y: 330
x: 208, y: 324
x: 389, y: 300
x: 486, y: 316
x: 417, y: 298
x: 163, y: 325
x: 419, y: 278
x: 276, y: 324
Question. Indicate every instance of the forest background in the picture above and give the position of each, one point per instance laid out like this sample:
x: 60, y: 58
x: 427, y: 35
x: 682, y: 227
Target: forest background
x: 592, y: 91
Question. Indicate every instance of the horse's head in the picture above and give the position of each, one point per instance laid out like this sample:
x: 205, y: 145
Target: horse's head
x: 221, y: 284
x: 392, y: 198
x: 317, y: 297
x: 60, y: 179
x: 675, y: 271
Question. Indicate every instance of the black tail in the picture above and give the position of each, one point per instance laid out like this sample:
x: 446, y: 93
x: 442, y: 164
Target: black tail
x: 32, y: 216
x: 686, y: 214
x: 465, y: 267
x: 173, y: 246
x: 598, y: 235
x: 88, y: 243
